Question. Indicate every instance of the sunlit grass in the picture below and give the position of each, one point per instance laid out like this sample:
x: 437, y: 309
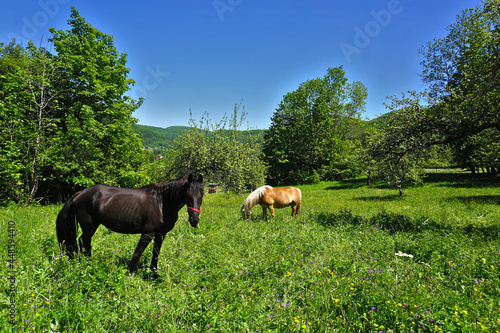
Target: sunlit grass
x: 332, y: 268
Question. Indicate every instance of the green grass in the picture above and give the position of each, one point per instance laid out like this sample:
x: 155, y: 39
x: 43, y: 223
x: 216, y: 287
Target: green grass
x: 332, y: 268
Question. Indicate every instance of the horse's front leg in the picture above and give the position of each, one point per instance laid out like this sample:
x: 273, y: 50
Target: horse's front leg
x: 143, y: 243
x: 160, y: 235
x: 271, y: 209
x: 156, y: 251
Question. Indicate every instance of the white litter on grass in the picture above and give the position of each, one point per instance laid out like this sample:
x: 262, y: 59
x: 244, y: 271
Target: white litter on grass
x: 401, y: 254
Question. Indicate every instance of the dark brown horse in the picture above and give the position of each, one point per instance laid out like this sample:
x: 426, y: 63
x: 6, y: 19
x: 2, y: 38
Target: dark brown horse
x: 151, y: 210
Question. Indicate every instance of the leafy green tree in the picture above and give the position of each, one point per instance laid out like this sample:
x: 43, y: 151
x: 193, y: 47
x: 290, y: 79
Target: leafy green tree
x: 43, y: 82
x: 15, y: 131
x: 26, y: 103
x: 438, y: 156
x: 367, y: 154
x: 480, y: 152
x: 93, y: 142
x: 397, y: 149
x: 462, y: 71
x: 310, y: 127
x: 220, y: 152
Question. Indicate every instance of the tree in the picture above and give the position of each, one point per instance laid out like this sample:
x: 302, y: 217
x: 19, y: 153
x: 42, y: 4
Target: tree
x: 65, y: 118
x: 42, y: 82
x: 220, y: 152
x: 480, y: 152
x: 15, y: 131
x: 309, y: 129
x: 94, y: 142
x: 397, y: 149
x: 462, y: 71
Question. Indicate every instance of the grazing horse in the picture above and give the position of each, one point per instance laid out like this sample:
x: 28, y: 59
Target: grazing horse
x: 151, y: 210
x: 270, y: 198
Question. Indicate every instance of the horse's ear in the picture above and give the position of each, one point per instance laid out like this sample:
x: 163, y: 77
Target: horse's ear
x: 190, y: 178
x: 200, y: 178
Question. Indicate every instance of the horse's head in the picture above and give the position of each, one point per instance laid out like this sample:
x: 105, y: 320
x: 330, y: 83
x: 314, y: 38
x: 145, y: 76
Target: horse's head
x: 194, y: 198
x: 245, y: 212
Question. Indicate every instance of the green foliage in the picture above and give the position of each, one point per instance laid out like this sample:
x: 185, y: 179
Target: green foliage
x: 357, y: 258
x: 438, y: 157
x: 220, y: 154
x: 395, y: 152
x: 309, y: 129
x: 15, y: 123
x: 480, y: 152
x: 462, y: 71
x: 66, y: 123
x: 95, y: 142
x: 157, y: 137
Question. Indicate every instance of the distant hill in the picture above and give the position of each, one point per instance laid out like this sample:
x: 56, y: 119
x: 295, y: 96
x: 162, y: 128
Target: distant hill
x: 163, y: 137
x: 378, y: 123
x: 157, y: 136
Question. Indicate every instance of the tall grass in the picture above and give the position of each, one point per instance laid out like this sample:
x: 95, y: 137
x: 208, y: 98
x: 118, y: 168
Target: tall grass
x: 358, y: 258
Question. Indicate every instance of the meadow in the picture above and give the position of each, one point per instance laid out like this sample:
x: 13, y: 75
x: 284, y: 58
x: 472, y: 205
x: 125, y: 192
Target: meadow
x: 357, y: 259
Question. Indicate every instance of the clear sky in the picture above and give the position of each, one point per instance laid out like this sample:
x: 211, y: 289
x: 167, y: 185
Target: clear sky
x: 207, y: 56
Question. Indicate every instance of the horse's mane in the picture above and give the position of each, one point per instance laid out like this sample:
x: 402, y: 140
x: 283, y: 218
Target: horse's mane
x: 255, y: 196
x: 161, y: 188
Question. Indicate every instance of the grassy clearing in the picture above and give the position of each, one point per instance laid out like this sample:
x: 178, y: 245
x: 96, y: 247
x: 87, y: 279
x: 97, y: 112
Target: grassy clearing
x: 333, y: 268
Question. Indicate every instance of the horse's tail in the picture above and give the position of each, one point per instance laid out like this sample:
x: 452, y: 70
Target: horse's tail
x: 66, y: 228
x: 299, y: 203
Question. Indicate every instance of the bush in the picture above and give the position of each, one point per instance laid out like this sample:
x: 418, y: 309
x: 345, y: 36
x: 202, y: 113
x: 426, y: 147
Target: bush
x: 220, y: 154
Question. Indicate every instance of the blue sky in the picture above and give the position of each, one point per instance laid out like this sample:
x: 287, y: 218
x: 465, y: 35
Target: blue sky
x: 207, y: 56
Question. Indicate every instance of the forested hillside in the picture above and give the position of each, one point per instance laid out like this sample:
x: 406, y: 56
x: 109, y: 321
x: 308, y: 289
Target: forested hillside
x: 157, y: 137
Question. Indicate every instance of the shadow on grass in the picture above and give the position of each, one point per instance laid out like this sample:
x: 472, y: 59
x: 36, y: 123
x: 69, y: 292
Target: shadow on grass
x: 141, y: 269
x: 348, y: 184
x: 482, y: 199
x: 462, y: 180
x: 391, y: 197
x: 448, y: 179
x: 394, y: 223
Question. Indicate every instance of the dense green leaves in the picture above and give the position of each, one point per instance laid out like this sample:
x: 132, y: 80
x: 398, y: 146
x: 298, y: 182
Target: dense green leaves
x: 66, y: 121
x: 462, y: 71
x: 222, y: 154
x: 309, y: 128
x: 13, y: 138
x: 95, y: 143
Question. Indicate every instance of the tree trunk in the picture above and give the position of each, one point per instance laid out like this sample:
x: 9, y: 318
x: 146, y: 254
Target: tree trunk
x: 34, y: 173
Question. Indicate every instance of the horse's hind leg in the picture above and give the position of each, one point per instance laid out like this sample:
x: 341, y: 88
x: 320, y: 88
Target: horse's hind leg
x: 143, y: 243
x: 85, y: 240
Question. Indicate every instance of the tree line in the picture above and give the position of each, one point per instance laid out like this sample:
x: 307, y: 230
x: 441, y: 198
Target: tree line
x: 66, y: 120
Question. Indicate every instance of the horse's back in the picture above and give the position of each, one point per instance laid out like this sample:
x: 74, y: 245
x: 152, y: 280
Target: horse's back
x: 120, y: 209
x: 285, y: 196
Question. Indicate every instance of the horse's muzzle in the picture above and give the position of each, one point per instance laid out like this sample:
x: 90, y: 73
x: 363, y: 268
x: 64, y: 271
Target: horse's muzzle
x: 194, y: 216
x: 194, y: 221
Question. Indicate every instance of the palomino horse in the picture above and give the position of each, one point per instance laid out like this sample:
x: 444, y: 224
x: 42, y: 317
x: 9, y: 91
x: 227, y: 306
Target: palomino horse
x: 270, y: 198
x: 151, y: 210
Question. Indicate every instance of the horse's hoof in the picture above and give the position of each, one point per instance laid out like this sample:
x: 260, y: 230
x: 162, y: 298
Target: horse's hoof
x: 152, y: 274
